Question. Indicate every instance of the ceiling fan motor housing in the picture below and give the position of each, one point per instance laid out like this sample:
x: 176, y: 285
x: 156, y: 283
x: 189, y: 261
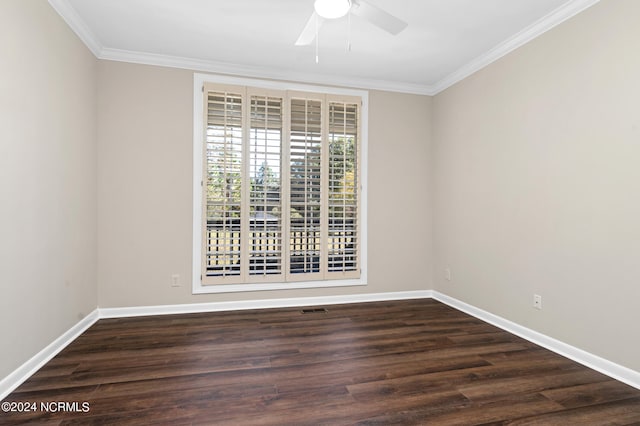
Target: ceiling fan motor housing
x: 332, y: 9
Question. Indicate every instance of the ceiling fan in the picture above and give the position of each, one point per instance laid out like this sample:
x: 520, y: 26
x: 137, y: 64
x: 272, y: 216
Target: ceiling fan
x: 334, y: 9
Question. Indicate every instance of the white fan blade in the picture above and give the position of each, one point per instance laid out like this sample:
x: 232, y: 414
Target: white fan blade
x: 378, y: 17
x: 308, y: 34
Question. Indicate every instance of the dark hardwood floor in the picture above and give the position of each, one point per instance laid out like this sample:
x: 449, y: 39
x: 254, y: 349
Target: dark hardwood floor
x: 401, y: 362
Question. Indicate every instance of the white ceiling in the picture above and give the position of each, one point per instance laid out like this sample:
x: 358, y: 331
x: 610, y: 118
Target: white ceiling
x: 446, y: 40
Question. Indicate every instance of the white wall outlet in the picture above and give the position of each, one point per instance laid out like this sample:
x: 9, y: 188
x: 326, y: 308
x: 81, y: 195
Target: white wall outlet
x: 537, y: 301
x: 175, y: 280
x: 447, y: 274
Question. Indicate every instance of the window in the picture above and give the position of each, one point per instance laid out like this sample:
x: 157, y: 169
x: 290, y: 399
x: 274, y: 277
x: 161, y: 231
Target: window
x: 279, y: 188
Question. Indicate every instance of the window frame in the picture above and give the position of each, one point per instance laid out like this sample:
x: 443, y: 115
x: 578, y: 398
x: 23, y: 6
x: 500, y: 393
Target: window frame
x: 198, y: 126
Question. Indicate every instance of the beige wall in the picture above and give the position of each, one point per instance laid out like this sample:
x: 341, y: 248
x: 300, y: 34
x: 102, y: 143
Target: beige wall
x: 537, y: 184
x: 47, y: 180
x: 534, y: 164
x: 145, y: 191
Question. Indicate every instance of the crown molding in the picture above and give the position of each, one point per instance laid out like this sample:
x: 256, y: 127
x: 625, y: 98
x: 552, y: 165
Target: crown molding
x: 558, y: 16
x: 77, y: 24
x: 259, y: 72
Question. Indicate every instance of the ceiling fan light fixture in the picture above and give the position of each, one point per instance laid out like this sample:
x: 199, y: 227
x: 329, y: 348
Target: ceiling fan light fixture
x: 332, y: 9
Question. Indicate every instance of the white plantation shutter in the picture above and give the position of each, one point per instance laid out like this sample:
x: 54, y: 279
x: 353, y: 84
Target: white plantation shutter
x: 222, y: 185
x: 342, y: 205
x: 281, y: 186
x: 305, y: 189
x: 265, y: 198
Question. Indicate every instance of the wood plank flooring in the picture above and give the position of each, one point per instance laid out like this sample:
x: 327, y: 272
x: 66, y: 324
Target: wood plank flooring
x: 400, y: 362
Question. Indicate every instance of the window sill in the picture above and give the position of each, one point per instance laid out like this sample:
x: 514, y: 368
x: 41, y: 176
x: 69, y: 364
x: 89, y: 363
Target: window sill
x: 235, y: 288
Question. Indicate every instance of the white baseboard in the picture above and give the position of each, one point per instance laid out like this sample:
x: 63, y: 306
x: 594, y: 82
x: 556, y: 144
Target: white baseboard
x: 611, y: 369
x: 260, y: 304
x: 26, y: 370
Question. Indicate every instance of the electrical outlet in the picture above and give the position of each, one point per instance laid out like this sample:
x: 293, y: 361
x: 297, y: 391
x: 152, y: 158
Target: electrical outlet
x: 447, y: 274
x: 537, y: 301
x: 175, y: 280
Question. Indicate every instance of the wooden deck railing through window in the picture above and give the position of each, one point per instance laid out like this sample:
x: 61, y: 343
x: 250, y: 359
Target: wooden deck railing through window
x: 265, y: 249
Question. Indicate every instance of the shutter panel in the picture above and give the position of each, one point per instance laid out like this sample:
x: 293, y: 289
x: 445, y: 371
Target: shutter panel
x: 343, y: 226
x: 281, y: 186
x: 305, y: 154
x: 223, y: 184
x: 265, y: 198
